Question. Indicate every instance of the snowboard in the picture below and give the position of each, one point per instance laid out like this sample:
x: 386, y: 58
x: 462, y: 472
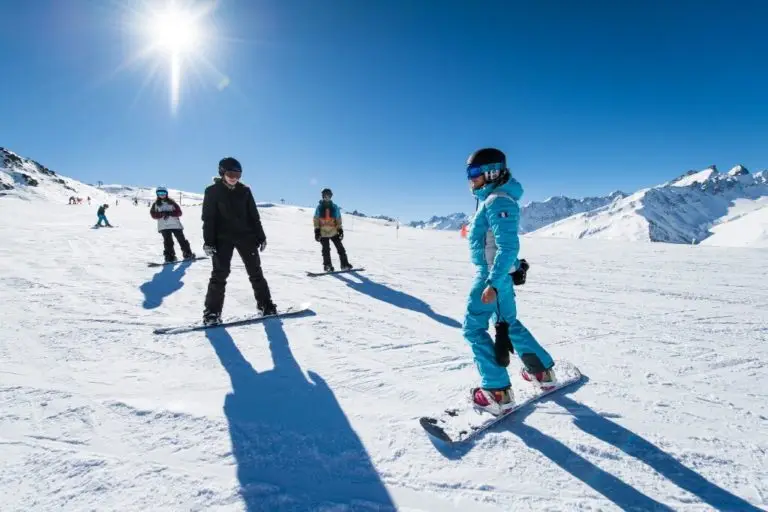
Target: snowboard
x: 234, y: 321
x: 156, y: 264
x: 462, y: 424
x: 316, y: 274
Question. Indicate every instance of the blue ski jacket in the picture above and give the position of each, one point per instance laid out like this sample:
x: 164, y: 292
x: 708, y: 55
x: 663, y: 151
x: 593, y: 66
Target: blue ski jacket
x: 493, y: 234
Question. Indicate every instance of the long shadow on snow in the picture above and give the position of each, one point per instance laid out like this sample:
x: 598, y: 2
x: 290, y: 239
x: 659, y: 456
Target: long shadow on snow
x: 619, y: 492
x: 644, y: 451
x: 396, y: 298
x: 294, y: 446
x: 163, y: 283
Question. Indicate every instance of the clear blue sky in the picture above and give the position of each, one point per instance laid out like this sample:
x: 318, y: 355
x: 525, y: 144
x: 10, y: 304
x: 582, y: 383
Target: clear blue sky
x: 382, y: 100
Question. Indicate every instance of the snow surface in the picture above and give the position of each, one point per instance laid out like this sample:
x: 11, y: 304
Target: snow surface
x: 320, y: 412
x: 745, y: 226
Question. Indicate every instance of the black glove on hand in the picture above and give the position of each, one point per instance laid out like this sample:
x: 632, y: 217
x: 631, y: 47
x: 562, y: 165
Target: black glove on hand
x: 341, y: 234
x: 166, y: 215
x: 317, y: 235
x: 519, y: 275
x: 502, y: 346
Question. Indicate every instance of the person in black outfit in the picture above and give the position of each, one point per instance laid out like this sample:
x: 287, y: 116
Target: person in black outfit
x: 231, y: 221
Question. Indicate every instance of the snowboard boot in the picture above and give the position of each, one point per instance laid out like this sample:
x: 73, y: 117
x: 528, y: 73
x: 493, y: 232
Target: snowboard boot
x: 189, y: 256
x: 494, y: 401
x: 170, y: 258
x: 545, y: 380
x: 346, y: 266
x: 268, y: 309
x: 211, y: 318
x: 328, y: 268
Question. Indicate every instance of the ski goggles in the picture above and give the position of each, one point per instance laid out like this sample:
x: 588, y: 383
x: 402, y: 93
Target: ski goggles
x: 480, y: 170
x: 233, y: 175
x: 162, y: 193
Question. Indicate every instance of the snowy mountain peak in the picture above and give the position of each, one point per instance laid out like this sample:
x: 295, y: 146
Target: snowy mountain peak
x: 738, y: 170
x: 536, y: 215
x: 681, y: 211
x: 453, y: 221
x: 693, y: 177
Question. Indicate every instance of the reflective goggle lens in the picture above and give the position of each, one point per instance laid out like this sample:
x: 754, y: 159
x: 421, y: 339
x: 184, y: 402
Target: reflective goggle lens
x: 479, y: 170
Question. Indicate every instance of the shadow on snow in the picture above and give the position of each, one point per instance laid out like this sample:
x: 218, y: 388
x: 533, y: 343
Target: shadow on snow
x: 163, y: 283
x: 396, y: 298
x: 294, y: 446
x: 611, y: 487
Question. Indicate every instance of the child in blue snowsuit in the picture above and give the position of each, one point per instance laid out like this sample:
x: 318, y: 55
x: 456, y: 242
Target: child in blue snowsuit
x: 494, y: 244
x: 102, y: 214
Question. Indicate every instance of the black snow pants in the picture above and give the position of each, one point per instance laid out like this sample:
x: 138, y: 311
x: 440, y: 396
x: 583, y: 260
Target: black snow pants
x: 222, y: 259
x: 326, y: 243
x: 168, y: 250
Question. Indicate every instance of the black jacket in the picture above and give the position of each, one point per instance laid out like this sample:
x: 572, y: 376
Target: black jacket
x: 230, y: 214
x: 101, y: 210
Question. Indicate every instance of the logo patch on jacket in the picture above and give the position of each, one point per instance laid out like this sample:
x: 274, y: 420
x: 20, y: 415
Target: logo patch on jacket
x: 503, y: 215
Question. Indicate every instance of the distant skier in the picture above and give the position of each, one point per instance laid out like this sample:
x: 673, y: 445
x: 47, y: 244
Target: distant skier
x: 167, y: 213
x: 327, y: 222
x: 231, y: 221
x: 494, y: 245
x: 102, y: 215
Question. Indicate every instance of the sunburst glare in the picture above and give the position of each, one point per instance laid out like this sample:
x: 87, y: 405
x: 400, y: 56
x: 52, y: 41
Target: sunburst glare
x: 177, y: 34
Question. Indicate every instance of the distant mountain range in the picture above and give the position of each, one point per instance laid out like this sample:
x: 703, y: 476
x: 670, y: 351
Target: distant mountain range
x: 700, y: 206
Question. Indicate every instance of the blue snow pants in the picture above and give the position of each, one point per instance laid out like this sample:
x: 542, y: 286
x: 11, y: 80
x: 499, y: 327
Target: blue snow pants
x: 102, y: 218
x: 476, y: 333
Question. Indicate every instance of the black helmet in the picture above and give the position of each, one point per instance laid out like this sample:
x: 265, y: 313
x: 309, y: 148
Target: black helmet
x: 490, y: 162
x: 486, y: 156
x: 326, y: 192
x: 229, y: 164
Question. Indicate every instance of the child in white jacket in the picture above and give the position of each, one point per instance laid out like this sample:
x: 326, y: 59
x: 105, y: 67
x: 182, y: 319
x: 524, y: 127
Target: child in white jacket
x: 167, y: 212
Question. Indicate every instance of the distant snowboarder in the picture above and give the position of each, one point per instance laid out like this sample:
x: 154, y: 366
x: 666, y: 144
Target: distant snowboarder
x: 102, y: 215
x: 328, y: 228
x: 494, y: 244
x: 167, y: 213
x: 231, y: 221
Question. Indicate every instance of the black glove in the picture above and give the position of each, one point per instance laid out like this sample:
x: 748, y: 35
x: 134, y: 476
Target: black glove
x: 519, y: 275
x: 502, y: 345
x: 341, y: 234
x: 166, y: 215
x: 317, y: 235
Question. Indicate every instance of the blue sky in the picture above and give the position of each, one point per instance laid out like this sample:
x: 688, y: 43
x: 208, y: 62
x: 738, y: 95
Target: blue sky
x: 382, y: 100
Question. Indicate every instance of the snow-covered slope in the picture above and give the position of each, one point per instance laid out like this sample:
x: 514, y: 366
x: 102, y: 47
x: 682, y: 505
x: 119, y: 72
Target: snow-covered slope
x: 26, y: 179
x: 144, y: 194
x: 535, y: 215
x: 320, y: 412
x: 746, y: 225
x: 681, y: 211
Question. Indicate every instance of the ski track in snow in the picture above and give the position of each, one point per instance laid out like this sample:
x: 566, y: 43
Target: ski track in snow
x: 320, y: 412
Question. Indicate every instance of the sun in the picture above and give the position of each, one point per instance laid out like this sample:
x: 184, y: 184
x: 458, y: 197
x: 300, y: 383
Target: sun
x: 175, y: 35
x: 175, y: 30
